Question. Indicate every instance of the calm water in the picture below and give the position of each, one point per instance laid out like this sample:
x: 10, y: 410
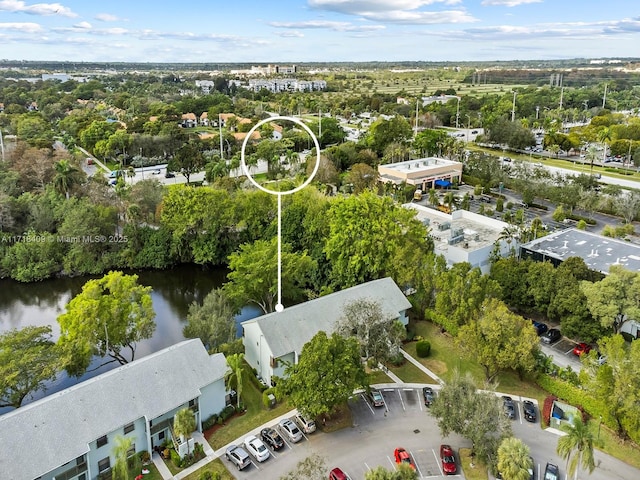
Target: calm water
x: 173, y: 291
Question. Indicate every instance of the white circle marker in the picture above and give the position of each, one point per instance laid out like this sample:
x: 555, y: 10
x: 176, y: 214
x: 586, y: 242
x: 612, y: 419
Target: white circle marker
x: 279, y: 307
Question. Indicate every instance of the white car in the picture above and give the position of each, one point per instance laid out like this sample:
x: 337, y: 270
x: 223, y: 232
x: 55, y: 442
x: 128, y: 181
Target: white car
x: 256, y: 448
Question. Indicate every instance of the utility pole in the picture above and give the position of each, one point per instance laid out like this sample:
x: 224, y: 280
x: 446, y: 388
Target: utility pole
x: 561, y: 94
x: 458, y: 113
x: 604, y: 97
x: 416, y: 126
x: 513, y: 109
x: 220, y: 130
x: 2, y: 146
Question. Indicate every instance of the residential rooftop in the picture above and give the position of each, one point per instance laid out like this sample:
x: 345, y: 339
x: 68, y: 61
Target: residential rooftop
x: 56, y: 429
x: 598, y: 252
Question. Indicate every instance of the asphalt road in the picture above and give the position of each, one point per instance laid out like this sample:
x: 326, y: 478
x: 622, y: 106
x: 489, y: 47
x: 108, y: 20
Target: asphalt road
x: 406, y: 422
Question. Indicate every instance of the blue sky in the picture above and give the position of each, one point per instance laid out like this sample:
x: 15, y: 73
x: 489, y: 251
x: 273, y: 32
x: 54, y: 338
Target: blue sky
x: 317, y: 30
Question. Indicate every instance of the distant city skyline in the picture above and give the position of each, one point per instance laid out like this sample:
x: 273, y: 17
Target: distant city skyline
x: 289, y: 31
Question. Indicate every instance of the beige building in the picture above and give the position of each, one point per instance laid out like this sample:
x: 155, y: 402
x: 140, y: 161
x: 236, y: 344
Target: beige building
x: 424, y: 173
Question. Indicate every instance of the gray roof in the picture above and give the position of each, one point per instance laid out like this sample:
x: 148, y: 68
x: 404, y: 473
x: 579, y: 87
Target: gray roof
x: 598, y: 252
x: 50, y: 432
x: 289, y: 330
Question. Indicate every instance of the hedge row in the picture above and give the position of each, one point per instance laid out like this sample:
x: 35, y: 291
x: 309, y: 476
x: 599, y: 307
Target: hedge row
x: 577, y: 397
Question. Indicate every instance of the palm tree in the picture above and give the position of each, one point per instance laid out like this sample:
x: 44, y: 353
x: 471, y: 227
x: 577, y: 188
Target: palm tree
x: 577, y: 447
x: 184, y: 424
x: 233, y: 376
x: 121, y: 450
x: 433, y: 197
x: 604, y: 136
x: 514, y: 459
x: 66, y: 177
x: 591, y: 155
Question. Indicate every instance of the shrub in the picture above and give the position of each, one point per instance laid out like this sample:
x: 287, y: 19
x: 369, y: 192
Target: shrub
x: 210, y: 422
x: 546, y: 408
x: 175, y: 458
x: 397, y: 360
x: 423, y: 348
x: 207, y: 475
x: 144, y: 456
x: 265, y: 397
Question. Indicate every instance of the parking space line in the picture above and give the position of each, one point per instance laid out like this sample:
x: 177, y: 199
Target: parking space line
x: 415, y: 463
x: 568, y: 351
x: 419, y: 399
x: 393, y: 464
x: 367, y: 402
x: 368, y: 467
x: 438, y: 462
x: 254, y: 464
x: 400, y: 395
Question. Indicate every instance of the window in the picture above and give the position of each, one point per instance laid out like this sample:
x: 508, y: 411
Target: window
x: 102, y: 441
x: 81, y: 460
x: 129, y: 428
x: 104, y: 464
x: 131, y: 450
x: 192, y: 403
x: 82, y: 476
x: 161, y: 435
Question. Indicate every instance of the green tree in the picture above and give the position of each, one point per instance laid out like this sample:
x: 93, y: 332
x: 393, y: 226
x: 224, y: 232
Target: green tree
x: 110, y: 313
x: 460, y: 292
x: 187, y: 160
x: 213, y: 322
x: 384, y: 132
x: 121, y: 451
x: 28, y: 359
x: 476, y: 415
x: 576, y: 447
x: 233, y: 377
x: 402, y: 472
x: 379, y: 336
x: 614, y: 298
x: 362, y: 177
x: 66, y: 177
x: 328, y: 371
x: 514, y: 461
x: 371, y: 237
x: 499, y: 340
x: 253, y: 276
x: 184, y: 423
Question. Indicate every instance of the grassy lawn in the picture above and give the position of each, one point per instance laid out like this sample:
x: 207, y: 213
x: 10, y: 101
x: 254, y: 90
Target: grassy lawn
x: 342, y: 418
x: 216, y: 466
x: 477, y: 472
x: 378, y: 376
x: 444, y: 360
x: 409, y: 373
x: 607, y: 441
x: 153, y: 474
x: 255, y: 415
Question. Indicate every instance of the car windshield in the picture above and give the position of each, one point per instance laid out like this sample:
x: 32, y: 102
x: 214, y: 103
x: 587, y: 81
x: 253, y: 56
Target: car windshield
x: 448, y: 459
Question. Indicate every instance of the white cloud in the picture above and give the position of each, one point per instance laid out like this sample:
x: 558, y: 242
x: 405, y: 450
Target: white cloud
x: 291, y: 34
x: 36, y: 9
x: 26, y: 27
x: 82, y: 26
x: 410, y: 12
x: 328, y: 25
x: 507, y: 3
x: 107, y: 17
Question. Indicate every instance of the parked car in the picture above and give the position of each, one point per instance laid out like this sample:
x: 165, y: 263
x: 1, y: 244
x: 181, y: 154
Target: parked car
x: 581, y: 348
x: 532, y: 472
x: 509, y: 407
x: 529, y: 410
x: 551, y: 472
x: 290, y: 430
x: 238, y: 456
x: 448, y: 460
x: 338, y: 474
x: 272, y: 438
x: 552, y: 336
x: 402, y: 456
x: 256, y: 448
x: 169, y: 175
x: 473, y: 132
x: 540, y: 327
x: 428, y: 395
x: 375, y: 396
x: 306, y: 425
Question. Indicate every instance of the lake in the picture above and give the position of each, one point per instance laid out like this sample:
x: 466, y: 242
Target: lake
x: 24, y: 304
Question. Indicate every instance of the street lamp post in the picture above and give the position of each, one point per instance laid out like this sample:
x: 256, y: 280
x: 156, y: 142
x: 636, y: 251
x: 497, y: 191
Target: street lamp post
x: 513, y: 109
x: 458, y: 113
x: 1, y: 146
x: 468, y: 125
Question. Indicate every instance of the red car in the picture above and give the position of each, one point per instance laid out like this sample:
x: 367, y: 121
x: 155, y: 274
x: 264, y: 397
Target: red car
x: 338, y: 474
x: 581, y: 349
x: 448, y: 460
x: 402, y: 456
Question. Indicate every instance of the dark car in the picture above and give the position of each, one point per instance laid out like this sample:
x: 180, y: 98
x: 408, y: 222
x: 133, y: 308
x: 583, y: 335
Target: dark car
x: 552, y: 336
x: 509, y: 407
x: 540, y: 327
x: 473, y: 132
x: 169, y: 175
x: 428, y: 395
x: 529, y: 410
x: 271, y: 438
x: 551, y: 472
x: 448, y: 460
x: 376, y: 398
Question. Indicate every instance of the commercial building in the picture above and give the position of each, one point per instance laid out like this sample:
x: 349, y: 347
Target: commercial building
x: 424, y: 173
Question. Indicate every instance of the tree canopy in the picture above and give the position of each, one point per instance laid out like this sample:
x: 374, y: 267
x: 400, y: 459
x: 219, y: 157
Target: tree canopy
x: 213, y: 322
x: 328, y: 372
x: 28, y: 360
x: 110, y: 314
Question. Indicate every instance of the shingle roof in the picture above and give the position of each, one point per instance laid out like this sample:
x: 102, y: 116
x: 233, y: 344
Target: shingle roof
x: 52, y: 431
x: 289, y: 330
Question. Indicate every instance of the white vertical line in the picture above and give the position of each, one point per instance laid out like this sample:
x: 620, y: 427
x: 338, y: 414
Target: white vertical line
x: 279, y: 250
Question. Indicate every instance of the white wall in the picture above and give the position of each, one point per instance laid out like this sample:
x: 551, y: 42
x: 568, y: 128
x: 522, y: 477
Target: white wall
x: 211, y: 399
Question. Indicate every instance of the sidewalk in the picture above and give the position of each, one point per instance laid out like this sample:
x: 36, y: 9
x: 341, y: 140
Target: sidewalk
x: 422, y: 367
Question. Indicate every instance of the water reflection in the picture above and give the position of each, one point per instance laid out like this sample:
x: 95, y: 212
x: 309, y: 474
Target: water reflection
x: 40, y: 304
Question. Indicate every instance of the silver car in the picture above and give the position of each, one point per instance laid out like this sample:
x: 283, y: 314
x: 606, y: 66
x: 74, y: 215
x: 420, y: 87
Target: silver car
x: 290, y: 430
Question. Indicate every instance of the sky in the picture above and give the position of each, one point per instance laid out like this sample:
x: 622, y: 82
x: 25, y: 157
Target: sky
x: 290, y: 31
